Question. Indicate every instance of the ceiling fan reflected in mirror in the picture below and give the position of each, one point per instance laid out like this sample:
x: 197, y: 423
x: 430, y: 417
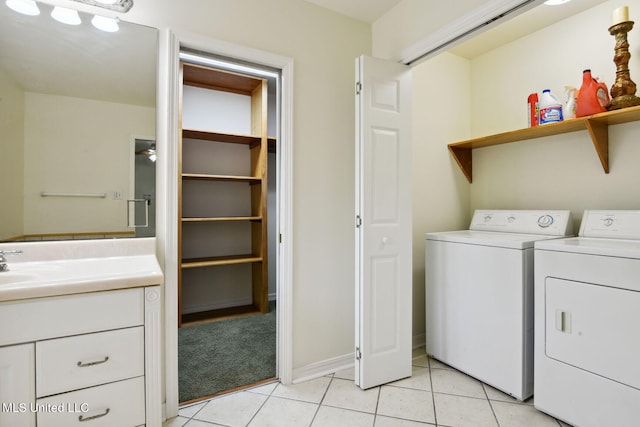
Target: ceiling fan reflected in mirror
x: 150, y: 152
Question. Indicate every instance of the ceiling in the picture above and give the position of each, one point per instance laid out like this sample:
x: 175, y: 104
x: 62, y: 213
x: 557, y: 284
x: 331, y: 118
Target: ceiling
x: 363, y: 10
x: 509, y: 30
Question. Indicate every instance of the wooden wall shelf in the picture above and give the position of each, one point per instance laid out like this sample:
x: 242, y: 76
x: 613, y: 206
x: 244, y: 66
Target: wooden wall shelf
x: 220, y: 260
x: 597, y: 125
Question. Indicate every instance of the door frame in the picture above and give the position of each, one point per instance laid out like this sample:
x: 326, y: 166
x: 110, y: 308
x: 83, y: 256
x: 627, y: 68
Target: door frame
x: 170, y: 43
x: 133, y: 138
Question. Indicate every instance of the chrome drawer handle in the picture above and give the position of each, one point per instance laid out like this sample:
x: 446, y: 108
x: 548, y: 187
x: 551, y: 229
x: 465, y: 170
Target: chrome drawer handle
x: 99, y: 362
x: 82, y: 418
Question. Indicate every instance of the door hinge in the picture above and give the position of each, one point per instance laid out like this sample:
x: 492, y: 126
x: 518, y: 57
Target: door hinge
x: 358, y: 354
x: 280, y: 238
x: 358, y: 88
x: 358, y: 221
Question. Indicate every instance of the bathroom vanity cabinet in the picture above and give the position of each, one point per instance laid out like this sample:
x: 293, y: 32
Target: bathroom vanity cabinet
x: 69, y: 359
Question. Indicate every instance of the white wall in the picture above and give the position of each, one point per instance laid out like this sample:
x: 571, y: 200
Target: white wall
x: 75, y: 145
x: 441, y: 114
x: 11, y: 157
x: 323, y: 45
x: 559, y: 172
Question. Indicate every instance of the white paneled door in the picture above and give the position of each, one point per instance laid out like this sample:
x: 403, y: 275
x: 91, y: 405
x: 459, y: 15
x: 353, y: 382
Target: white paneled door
x: 383, y: 222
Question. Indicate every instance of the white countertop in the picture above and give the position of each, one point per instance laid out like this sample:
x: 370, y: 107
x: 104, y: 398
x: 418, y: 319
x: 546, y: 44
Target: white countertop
x: 60, y: 268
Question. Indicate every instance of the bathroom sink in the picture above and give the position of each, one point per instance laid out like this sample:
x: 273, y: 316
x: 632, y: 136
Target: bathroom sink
x: 46, y: 269
x: 8, y: 277
x: 60, y: 277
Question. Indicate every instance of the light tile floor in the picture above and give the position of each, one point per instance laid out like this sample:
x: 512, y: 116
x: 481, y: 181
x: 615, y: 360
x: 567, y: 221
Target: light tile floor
x: 435, y: 395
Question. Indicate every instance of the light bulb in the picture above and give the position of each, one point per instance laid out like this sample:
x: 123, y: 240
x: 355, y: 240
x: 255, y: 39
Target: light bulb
x: 26, y: 7
x: 556, y: 2
x: 66, y: 16
x: 103, y: 23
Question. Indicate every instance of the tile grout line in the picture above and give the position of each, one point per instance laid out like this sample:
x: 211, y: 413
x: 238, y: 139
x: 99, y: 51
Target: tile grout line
x: 375, y: 411
x: 493, y: 411
x: 433, y: 392
x: 263, y: 403
x: 331, y: 377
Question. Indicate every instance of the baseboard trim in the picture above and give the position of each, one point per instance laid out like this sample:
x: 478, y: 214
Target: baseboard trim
x: 330, y: 366
x: 322, y: 368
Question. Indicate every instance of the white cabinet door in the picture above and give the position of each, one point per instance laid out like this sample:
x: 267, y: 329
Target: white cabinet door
x: 383, y: 222
x: 17, y: 386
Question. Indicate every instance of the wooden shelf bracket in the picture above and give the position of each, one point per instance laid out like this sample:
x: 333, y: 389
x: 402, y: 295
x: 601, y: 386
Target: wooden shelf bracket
x: 599, y: 132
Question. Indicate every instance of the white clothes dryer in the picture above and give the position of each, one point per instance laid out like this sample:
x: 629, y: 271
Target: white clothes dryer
x: 479, y: 295
x: 587, y: 322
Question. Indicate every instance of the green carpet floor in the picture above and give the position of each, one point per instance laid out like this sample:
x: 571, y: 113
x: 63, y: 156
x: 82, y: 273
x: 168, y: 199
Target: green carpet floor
x: 218, y: 356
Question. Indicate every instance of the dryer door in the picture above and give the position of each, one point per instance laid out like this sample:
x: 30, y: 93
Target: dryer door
x: 594, y: 328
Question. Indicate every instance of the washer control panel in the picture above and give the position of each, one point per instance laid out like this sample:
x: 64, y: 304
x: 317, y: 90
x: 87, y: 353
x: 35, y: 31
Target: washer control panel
x: 552, y: 223
x: 614, y: 224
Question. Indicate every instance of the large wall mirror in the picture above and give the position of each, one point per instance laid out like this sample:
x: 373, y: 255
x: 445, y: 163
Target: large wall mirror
x: 77, y: 128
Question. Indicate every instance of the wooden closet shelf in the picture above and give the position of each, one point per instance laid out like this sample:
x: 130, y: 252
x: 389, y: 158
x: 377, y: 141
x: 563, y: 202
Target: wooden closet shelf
x: 597, y: 125
x: 221, y: 218
x: 220, y: 137
x: 226, y: 81
x: 206, y: 177
x: 200, y: 317
x: 227, y: 137
x: 221, y: 260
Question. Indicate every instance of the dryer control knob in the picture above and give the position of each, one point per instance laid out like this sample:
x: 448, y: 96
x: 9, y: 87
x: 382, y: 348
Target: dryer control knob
x: 545, y: 221
x: 608, y: 222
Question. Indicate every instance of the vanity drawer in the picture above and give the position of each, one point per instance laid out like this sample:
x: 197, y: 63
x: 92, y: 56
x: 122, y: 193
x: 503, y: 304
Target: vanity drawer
x: 43, y: 318
x: 81, y: 361
x: 119, y: 404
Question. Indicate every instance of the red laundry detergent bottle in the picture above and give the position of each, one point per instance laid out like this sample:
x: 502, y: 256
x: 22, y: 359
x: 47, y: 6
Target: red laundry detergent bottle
x: 532, y: 110
x: 593, y: 96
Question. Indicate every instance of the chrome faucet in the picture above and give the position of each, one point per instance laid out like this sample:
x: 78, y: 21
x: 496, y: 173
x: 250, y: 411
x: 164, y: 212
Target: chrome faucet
x: 3, y: 260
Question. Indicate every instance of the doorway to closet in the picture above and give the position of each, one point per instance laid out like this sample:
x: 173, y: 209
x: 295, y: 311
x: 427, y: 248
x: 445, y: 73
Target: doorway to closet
x: 227, y: 231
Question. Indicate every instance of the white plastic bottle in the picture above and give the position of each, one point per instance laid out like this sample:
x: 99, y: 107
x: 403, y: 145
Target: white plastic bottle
x: 569, y: 109
x: 550, y: 108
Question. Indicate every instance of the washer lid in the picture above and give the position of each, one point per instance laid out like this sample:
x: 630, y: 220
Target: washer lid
x: 550, y: 223
x: 489, y: 238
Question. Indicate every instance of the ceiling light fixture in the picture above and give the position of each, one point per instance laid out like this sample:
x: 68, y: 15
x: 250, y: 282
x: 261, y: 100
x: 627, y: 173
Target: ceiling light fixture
x: 66, y: 16
x: 149, y: 152
x: 71, y: 16
x: 121, y: 6
x: 556, y: 2
x: 104, y: 23
x: 26, y: 7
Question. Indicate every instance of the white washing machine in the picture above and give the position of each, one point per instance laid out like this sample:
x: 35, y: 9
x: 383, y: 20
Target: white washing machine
x: 479, y: 295
x: 587, y: 311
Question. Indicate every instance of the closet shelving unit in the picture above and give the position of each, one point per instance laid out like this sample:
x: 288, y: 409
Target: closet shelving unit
x: 208, y: 212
